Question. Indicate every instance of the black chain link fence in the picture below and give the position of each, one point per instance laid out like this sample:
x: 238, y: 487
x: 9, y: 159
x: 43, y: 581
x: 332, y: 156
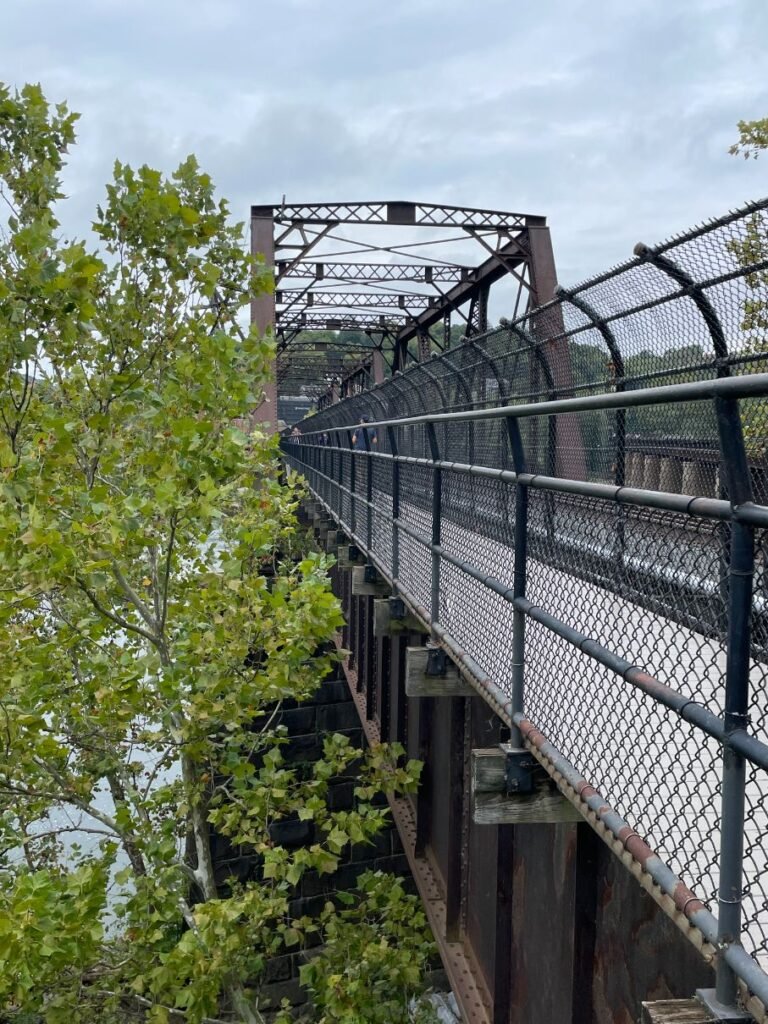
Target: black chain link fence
x: 649, y: 580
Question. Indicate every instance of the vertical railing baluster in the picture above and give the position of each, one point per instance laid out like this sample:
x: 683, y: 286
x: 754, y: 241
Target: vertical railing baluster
x: 352, y: 484
x: 437, y: 511
x: 520, y: 575
x: 368, y: 491
x: 338, y: 473
x: 736, y: 714
x: 392, y: 437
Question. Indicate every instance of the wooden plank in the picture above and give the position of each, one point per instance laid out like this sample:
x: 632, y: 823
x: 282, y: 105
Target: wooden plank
x: 343, y: 559
x: 333, y: 540
x: 419, y: 684
x: 362, y: 588
x: 542, y: 807
x: 492, y: 806
x: 385, y: 625
x: 488, y: 772
x: 675, y: 1011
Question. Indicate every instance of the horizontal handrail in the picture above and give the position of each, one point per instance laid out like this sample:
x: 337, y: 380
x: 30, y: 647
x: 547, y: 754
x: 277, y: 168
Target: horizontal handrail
x: 754, y: 385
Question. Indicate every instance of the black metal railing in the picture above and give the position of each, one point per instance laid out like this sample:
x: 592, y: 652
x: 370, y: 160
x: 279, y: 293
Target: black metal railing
x: 601, y: 576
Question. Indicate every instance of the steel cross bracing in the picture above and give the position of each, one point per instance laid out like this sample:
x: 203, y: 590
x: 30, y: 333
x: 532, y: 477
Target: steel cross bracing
x: 377, y: 272
x: 339, y: 321
x: 354, y: 300
x: 406, y: 288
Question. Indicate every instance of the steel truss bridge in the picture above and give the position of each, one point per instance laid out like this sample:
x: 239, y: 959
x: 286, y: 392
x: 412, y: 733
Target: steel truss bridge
x: 571, y: 512
x: 385, y: 277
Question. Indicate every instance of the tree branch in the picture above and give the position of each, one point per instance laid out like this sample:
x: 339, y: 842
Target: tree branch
x: 134, y: 598
x: 167, y: 576
x: 113, y: 616
x: 169, y: 1009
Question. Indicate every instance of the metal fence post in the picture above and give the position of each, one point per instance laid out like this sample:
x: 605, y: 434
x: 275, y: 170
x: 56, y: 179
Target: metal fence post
x: 736, y: 715
x: 437, y: 510
x: 520, y: 575
x: 352, y: 484
x: 368, y: 490
x: 392, y: 438
x: 338, y: 472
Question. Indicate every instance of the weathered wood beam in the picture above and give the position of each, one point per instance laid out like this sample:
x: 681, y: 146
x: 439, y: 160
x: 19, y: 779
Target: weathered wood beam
x: 366, y: 583
x: 675, y: 1011
x: 385, y: 624
x: 343, y: 556
x: 333, y: 540
x: 491, y: 805
x: 418, y: 683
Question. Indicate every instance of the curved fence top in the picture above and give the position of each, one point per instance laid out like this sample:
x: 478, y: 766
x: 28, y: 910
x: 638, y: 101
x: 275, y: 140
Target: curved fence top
x: 691, y: 308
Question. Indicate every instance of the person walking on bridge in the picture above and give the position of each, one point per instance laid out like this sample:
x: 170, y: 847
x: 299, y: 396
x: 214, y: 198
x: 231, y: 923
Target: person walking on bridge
x: 358, y: 438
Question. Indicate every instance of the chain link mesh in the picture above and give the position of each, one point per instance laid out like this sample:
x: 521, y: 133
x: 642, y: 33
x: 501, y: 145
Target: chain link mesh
x: 648, y: 584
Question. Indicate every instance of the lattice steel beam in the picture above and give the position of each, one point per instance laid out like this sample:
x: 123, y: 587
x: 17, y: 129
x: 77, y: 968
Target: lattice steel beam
x: 426, y: 273
x: 344, y: 322
x: 355, y: 300
x: 396, y: 213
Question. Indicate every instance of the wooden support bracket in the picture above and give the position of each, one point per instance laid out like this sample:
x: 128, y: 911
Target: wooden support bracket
x: 333, y: 540
x: 362, y: 587
x: 675, y: 1011
x: 419, y: 684
x: 491, y: 805
x: 385, y: 625
x: 343, y: 559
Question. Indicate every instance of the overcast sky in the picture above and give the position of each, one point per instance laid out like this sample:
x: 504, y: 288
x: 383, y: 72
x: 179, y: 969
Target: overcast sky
x: 611, y: 117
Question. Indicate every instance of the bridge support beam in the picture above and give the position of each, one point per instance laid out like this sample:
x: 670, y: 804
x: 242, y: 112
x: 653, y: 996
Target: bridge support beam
x: 322, y: 524
x: 493, y: 804
x: 334, y: 540
x: 366, y: 582
x: 390, y: 616
x: 348, y: 556
x: 675, y: 1011
x: 421, y: 682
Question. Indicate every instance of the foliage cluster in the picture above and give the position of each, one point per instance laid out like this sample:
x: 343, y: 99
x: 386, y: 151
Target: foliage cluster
x: 155, y: 609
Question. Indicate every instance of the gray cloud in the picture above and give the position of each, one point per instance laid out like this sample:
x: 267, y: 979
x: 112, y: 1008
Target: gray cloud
x: 612, y: 119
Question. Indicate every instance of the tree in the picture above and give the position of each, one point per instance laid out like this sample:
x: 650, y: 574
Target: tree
x: 751, y: 250
x: 753, y: 138
x: 155, y: 607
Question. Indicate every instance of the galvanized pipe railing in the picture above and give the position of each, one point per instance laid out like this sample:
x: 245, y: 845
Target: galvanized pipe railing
x: 742, y: 515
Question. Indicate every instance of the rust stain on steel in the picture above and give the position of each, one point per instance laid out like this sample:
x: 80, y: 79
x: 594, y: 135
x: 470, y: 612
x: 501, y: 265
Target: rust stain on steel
x: 655, y: 688
x: 634, y: 844
x: 685, y: 901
